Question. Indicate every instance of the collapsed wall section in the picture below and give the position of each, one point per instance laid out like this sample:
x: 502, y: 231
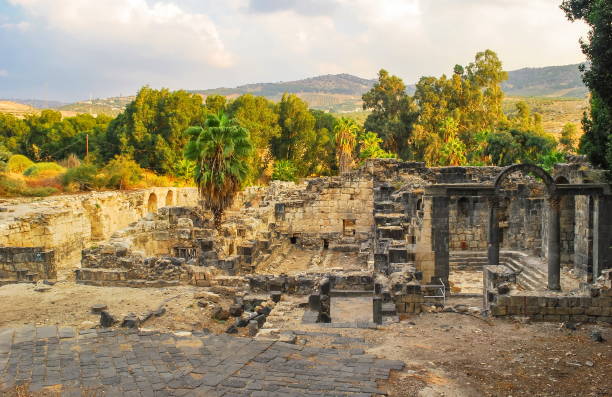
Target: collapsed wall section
x: 67, y: 224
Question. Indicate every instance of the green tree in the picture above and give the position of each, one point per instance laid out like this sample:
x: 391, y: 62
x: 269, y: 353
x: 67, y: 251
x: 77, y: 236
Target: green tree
x: 596, y: 142
x: 260, y: 117
x: 152, y: 128
x: 346, y: 140
x: 369, y: 147
x: 392, y: 112
x: 215, y: 103
x: 470, y: 99
x: 220, y: 151
x: 569, y: 138
x: 284, y: 170
x: 298, y: 134
x: 12, y: 132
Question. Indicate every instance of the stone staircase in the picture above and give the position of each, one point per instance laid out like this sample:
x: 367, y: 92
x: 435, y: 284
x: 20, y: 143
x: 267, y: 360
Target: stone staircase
x: 531, y: 271
x: 394, y: 231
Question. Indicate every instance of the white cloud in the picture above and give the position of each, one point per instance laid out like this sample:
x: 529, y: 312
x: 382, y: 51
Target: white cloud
x: 4, y: 73
x: 21, y: 26
x: 160, y: 28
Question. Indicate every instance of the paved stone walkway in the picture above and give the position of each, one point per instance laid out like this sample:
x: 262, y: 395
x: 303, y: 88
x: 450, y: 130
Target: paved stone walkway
x: 123, y: 363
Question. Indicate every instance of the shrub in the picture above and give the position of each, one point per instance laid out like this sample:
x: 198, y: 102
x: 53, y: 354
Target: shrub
x: 19, y: 163
x: 44, y: 169
x: 17, y: 187
x: 122, y: 172
x: 72, y: 161
x: 83, y: 176
x: 284, y: 170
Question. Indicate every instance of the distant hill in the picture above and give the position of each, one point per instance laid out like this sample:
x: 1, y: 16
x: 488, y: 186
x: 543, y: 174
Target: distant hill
x: 17, y: 109
x: 552, y: 81
x: 343, y: 84
x: 38, y: 103
x: 341, y: 93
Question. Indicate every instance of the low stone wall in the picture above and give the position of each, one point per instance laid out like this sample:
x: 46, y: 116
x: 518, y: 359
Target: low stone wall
x: 67, y: 224
x: 594, y: 306
x: 26, y: 264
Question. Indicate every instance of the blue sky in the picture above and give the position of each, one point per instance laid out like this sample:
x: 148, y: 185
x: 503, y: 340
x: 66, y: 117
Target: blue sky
x: 73, y: 49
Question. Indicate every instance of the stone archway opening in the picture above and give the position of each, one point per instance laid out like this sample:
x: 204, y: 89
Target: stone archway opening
x: 152, y: 203
x: 169, y: 198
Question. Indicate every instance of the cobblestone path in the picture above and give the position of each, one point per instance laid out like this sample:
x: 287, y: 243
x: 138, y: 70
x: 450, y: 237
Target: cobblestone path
x: 122, y: 363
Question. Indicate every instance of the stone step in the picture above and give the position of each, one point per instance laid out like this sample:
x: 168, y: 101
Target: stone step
x: 388, y: 309
x: 349, y: 292
x: 391, y: 232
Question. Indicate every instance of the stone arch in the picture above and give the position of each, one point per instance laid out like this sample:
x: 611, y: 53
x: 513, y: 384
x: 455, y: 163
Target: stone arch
x: 169, y: 198
x: 561, y: 180
x: 152, y: 203
x: 538, y: 171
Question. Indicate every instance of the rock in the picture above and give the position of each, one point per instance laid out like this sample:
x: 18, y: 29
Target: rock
x: 276, y: 296
x: 218, y: 313
x: 461, y: 308
x: 288, y: 337
x: 107, y: 319
x: 596, y: 336
x: 160, y: 311
x: 130, y: 321
x: 503, y: 288
x: 236, y: 310
x: 202, y: 303
x: 448, y: 309
x: 42, y: 288
x: 209, y: 296
x: 97, y: 308
x: 589, y: 363
x: 569, y: 325
x: 87, y: 324
x: 253, y: 327
x: 474, y: 310
x: 231, y: 330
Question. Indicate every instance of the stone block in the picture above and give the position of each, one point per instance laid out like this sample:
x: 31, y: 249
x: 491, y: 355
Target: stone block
x: 576, y: 310
x: 593, y: 311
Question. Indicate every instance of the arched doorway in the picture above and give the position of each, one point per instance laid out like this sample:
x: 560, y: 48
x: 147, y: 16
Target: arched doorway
x: 552, y: 246
x: 152, y: 203
x: 170, y: 198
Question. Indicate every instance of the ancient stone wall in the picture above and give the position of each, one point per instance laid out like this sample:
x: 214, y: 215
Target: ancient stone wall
x: 334, y: 209
x: 26, y: 264
x: 67, y: 224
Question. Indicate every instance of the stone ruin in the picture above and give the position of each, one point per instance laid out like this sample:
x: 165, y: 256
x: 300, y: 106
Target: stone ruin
x: 402, y: 234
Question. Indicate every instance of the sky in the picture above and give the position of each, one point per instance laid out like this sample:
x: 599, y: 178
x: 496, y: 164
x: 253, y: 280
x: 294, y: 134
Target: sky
x: 71, y: 50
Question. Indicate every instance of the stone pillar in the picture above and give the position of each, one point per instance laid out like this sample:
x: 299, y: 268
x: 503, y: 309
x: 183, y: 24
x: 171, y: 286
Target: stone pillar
x: 602, y: 235
x: 493, y: 234
x: 377, y: 310
x: 554, y: 243
x: 439, y: 234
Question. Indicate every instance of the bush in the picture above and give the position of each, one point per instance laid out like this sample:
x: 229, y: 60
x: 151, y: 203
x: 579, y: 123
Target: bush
x: 17, y: 187
x: 72, y: 161
x: 284, y: 170
x: 19, y: 163
x: 44, y: 169
x: 84, y: 177
x: 122, y: 172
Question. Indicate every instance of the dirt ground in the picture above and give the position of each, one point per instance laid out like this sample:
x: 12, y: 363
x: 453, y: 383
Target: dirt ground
x: 446, y: 354
x: 455, y: 355
x: 69, y: 304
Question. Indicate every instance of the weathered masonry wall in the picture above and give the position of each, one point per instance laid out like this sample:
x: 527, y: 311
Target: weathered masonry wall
x: 26, y: 264
x: 336, y: 209
x: 67, y: 224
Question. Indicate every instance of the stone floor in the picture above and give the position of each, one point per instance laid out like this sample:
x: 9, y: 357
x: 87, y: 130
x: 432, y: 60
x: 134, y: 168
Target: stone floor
x: 122, y: 363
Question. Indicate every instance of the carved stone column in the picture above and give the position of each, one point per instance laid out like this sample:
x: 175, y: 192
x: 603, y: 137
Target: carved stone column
x: 493, y: 235
x: 554, y: 243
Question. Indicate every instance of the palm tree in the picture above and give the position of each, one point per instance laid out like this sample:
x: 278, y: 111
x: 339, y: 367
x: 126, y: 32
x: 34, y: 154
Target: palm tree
x: 346, y: 139
x: 220, y: 150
